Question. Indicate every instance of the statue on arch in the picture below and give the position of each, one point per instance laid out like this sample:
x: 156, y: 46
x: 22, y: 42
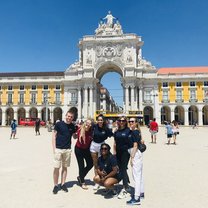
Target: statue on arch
x: 109, y: 17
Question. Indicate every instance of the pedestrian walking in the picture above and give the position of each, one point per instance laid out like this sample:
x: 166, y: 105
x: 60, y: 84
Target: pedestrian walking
x: 37, y: 126
x: 13, y: 129
x: 153, y: 130
x: 169, y: 131
x: 175, y: 130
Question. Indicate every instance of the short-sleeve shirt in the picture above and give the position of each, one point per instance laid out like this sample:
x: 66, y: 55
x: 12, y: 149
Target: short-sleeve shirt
x: 134, y: 137
x: 122, y: 139
x: 64, y: 134
x: 101, y: 134
x: 107, y: 164
x: 153, y: 126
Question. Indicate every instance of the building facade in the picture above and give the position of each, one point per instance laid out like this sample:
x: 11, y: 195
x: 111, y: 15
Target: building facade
x: 167, y: 94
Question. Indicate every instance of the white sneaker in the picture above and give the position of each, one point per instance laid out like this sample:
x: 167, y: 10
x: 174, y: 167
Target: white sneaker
x: 96, y: 187
x: 122, y: 194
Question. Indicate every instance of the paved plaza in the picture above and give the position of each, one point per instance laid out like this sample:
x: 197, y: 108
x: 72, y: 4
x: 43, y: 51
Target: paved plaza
x: 176, y: 176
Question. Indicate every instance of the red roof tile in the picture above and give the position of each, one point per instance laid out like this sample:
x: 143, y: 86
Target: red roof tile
x: 183, y: 70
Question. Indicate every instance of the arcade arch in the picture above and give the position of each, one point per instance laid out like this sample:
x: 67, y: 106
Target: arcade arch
x: 165, y: 114
x: 148, y: 114
x: 57, y: 114
x: 9, y: 115
x: 205, y: 115
x: 179, y: 114
x: 21, y: 113
x: 193, y: 114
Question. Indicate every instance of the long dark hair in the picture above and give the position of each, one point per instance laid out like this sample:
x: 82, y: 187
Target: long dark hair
x: 104, y: 120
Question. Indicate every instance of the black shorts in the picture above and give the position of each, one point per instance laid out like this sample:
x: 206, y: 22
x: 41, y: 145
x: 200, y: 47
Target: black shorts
x: 169, y: 135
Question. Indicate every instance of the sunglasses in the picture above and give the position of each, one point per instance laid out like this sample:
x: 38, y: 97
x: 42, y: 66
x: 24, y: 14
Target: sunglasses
x: 121, y: 120
x: 131, y: 121
x: 104, y: 148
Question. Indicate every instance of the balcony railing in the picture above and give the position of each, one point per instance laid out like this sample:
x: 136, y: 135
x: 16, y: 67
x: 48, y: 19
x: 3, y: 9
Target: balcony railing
x: 73, y: 102
x: 179, y: 100
x: 33, y: 103
x: 148, y: 101
x: 57, y: 102
x: 21, y: 103
x: 9, y: 103
x: 205, y: 100
x: 165, y: 101
x: 193, y: 100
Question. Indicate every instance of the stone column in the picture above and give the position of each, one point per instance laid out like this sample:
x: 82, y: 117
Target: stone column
x: 79, y: 104
x: 85, y: 103
x: 3, y: 117
x: 132, y: 98
x: 127, y: 98
x: 140, y: 98
x: 91, y: 102
x: 39, y: 114
x: 27, y: 114
x: 172, y: 116
x: 95, y: 99
x: 186, y: 121
x: 200, y: 121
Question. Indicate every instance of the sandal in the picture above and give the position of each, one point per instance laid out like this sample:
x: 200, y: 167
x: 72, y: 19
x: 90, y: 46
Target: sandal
x: 84, y: 186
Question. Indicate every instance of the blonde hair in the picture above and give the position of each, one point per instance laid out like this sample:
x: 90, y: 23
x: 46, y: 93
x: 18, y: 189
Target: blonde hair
x: 83, y: 130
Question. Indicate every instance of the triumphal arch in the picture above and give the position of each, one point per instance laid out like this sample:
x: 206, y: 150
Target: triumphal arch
x: 108, y: 50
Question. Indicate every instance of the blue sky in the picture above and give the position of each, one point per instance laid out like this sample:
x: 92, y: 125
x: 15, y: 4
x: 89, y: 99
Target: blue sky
x: 42, y: 35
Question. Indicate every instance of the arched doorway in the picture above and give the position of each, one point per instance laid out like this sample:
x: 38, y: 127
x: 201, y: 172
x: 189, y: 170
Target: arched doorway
x: 205, y: 115
x: 9, y: 116
x: 20, y: 113
x: 193, y: 115
x: 148, y: 114
x: 165, y: 114
x: 179, y: 114
x: 43, y: 115
x: 57, y: 114
x: 33, y: 113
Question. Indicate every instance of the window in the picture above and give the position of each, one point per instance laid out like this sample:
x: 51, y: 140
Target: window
x: 165, y: 96
x: 9, y: 98
x: 73, y: 97
x: 206, y: 83
x: 58, y: 97
x: 147, y: 96
x: 58, y: 87
x: 21, y: 98
x: 206, y: 94
x: 10, y: 87
x: 192, y: 84
x: 45, y: 87
x: 45, y: 97
x: 34, y: 87
x: 178, y: 84
x: 165, y: 84
x: 22, y: 87
x: 179, y: 95
x: 33, y: 98
x: 193, y: 94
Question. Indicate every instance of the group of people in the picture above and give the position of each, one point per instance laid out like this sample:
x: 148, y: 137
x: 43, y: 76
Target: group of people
x: 91, y: 150
x: 172, y: 130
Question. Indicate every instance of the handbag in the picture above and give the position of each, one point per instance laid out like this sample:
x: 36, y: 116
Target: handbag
x: 142, y: 147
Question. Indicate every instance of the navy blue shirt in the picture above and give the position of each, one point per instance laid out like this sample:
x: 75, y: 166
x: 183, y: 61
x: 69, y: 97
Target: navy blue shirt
x: 134, y: 137
x: 64, y: 134
x: 107, y: 164
x: 123, y: 139
x: 101, y: 134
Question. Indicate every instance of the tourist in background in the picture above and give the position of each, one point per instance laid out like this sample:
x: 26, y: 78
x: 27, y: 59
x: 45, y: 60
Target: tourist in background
x: 100, y: 133
x: 82, y: 151
x: 175, y: 130
x: 136, y: 161
x: 153, y: 130
x: 37, y: 126
x: 13, y: 129
x: 169, y: 131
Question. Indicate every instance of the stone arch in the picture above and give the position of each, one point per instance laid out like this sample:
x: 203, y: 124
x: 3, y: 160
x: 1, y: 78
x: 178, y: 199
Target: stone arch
x: 43, y: 114
x: 193, y: 114
x: 165, y: 114
x: 106, y: 67
x: 179, y: 115
x: 57, y: 114
x: 205, y: 115
x: 21, y: 112
x: 148, y: 114
x: 33, y: 112
x: 9, y: 116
